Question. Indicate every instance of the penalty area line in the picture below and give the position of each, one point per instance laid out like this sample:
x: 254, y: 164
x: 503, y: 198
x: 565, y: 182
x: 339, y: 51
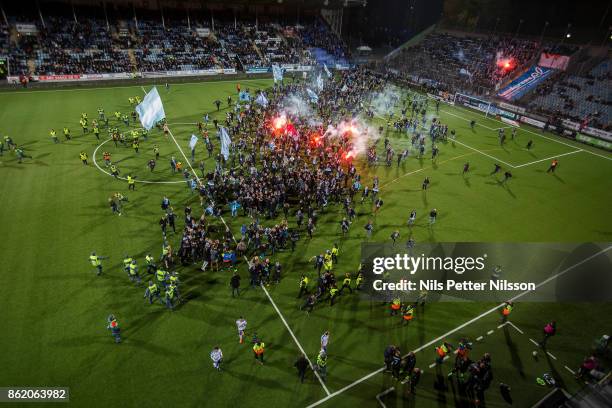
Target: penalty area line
x: 456, y: 329
x: 549, y: 158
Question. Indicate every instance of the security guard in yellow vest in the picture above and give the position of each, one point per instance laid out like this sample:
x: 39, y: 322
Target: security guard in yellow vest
x: 322, y: 365
x: 359, y: 281
x: 170, y: 297
x: 83, y: 157
x: 160, y: 274
x: 127, y: 261
x: 131, y: 182
x: 114, y: 171
x: 346, y: 283
x: 53, y: 135
x: 153, y: 292
x: 333, y: 294
x: 95, y: 262
x: 133, y: 272
x: 334, y: 253
x: 151, y: 267
x: 303, y: 285
x: 67, y: 133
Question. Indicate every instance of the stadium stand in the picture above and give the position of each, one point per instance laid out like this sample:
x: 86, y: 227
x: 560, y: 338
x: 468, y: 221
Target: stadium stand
x: 89, y: 46
x: 465, y: 63
x: 578, y: 97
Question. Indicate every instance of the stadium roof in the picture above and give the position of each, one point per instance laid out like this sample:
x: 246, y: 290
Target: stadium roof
x: 204, y: 3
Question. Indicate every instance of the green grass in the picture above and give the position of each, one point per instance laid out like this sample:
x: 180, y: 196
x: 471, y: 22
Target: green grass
x: 54, y: 307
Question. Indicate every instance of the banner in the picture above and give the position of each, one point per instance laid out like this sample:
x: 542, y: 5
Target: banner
x: 512, y: 108
x: 594, y: 141
x: 225, y: 143
x: 554, y: 61
x: 256, y: 70
x: 151, y: 109
x: 526, y: 82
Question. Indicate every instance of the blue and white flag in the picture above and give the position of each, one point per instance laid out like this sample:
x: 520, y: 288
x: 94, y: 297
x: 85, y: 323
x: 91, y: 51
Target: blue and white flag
x: 320, y: 82
x: 314, y: 98
x: 262, y: 100
x: 225, y: 143
x: 151, y: 109
x: 277, y: 72
x: 193, y: 141
x: 329, y: 74
x: 244, y: 96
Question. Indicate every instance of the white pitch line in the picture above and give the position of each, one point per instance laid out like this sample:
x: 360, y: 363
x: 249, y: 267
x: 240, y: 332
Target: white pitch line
x: 490, y: 332
x: 432, y: 365
x: 265, y: 290
x: 502, y: 325
x: 479, y: 338
x: 524, y: 130
x: 123, y: 178
x: 483, y: 153
x: 534, y: 342
x: 456, y: 329
x: 550, y: 354
x: 570, y: 370
x: 422, y: 169
x: 548, y: 158
x: 382, y: 394
x: 515, y: 328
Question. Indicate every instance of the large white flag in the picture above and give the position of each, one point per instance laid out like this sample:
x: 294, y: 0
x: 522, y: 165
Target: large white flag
x: 277, y: 72
x: 314, y: 98
x: 225, y: 143
x: 320, y: 82
x: 151, y: 109
x: 329, y: 74
x: 193, y: 141
x: 262, y: 100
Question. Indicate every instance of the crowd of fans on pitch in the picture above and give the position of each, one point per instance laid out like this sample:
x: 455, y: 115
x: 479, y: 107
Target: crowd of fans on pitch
x: 90, y: 46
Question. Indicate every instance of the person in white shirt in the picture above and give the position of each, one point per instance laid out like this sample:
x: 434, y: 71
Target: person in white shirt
x: 241, y: 324
x: 324, y: 341
x: 216, y: 355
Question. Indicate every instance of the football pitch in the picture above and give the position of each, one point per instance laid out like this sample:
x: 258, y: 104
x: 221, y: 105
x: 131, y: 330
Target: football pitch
x: 54, y: 308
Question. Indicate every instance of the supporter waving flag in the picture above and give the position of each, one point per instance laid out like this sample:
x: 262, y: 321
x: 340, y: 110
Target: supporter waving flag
x: 151, y: 109
x: 225, y: 143
x: 277, y: 72
x: 327, y: 71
